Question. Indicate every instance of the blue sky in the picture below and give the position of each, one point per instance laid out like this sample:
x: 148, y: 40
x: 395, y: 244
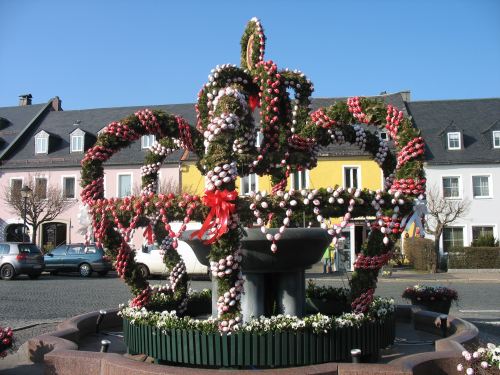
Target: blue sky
x: 118, y: 53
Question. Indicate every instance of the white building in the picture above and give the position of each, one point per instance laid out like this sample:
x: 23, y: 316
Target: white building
x: 463, y: 161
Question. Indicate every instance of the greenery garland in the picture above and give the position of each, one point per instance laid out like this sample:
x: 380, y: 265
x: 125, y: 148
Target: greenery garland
x: 225, y: 144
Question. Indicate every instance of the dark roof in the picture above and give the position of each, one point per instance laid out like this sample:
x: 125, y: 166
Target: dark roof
x: 62, y: 123
x: 346, y: 149
x: 17, y: 119
x: 90, y: 121
x: 474, y: 118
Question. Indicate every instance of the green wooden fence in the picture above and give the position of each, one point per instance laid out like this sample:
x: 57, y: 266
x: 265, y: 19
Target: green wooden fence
x: 243, y: 349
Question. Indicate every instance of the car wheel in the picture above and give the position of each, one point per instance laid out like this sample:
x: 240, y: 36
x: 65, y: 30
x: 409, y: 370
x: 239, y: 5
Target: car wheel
x: 143, y: 269
x: 85, y: 270
x: 102, y: 273
x: 34, y: 276
x: 7, y: 272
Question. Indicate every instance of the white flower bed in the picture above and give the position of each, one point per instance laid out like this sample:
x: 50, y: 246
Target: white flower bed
x: 379, y: 309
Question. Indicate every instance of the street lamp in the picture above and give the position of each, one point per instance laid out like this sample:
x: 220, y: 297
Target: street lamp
x: 25, y: 194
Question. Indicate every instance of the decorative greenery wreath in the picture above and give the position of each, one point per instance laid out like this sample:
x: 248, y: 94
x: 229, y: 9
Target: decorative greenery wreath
x: 225, y: 142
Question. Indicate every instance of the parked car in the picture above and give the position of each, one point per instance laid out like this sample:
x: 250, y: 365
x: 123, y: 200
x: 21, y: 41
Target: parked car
x: 81, y: 258
x: 150, y: 261
x: 20, y: 258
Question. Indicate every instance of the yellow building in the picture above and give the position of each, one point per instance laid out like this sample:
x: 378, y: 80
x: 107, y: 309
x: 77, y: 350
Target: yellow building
x: 360, y: 171
x: 349, y: 171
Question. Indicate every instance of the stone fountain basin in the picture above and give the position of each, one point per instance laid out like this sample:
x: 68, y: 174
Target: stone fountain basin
x: 298, y: 248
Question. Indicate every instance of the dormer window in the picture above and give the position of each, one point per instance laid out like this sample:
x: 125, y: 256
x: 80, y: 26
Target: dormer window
x: 454, y: 141
x: 42, y: 143
x: 382, y: 134
x: 77, y: 140
x: 496, y: 139
x: 147, y: 140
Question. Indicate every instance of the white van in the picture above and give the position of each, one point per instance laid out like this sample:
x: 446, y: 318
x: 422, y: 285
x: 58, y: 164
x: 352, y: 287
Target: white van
x: 150, y: 261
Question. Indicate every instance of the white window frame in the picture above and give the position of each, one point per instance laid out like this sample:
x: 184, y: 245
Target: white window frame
x: 73, y: 138
x: 490, y: 185
x: 382, y: 135
x: 143, y: 141
x: 43, y: 177
x: 42, y: 143
x: 448, y: 136
x: 249, y: 177
x: 460, y: 186
x: 64, y: 177
x: 496, y: 134
x: 495, y: 230
x: 118, y: 183
x: 16, y: 178
x: 464, y: 235
x: 358, y: 167
x: 292, y: 180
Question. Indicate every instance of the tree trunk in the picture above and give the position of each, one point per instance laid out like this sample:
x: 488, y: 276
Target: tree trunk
x: 34, y: 231
x: 437, y: 237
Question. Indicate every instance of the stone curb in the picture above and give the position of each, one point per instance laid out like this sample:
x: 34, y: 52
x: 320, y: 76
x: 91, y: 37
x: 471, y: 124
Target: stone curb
x: 473, y: 270
x: 59, y: 352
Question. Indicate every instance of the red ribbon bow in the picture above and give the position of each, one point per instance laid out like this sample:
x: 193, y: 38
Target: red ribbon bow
x: 253, y: 102
x: 221, y: 207
x: 148, y: 233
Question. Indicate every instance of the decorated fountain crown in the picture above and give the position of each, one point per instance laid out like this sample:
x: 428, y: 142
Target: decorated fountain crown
x: 225, y: 141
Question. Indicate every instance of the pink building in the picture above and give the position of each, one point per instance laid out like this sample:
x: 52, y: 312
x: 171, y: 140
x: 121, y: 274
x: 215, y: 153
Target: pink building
x: 46, y: 144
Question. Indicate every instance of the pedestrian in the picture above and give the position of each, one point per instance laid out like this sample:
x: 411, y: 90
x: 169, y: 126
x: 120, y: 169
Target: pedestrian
x: 327, y: 261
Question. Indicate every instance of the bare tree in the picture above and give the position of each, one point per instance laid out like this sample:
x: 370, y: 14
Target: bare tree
x: 45, y: 203
x: 166, y: 186
x: 441, y: 213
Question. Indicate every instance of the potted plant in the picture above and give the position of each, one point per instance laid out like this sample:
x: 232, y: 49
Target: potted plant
x: 481, y: 361
x: 326, y: 299
x: 432, y: 298
x: 6, y: 341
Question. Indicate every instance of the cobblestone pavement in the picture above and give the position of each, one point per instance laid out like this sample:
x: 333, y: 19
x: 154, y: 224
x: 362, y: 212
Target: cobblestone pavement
x: 33, y: 307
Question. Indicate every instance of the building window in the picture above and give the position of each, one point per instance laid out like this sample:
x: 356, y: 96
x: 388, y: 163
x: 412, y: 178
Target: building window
x: 124, y: 185
x: 453, y: 237
x: 16, y: 185
x: 41, y: 144
x: 382, y: 134
x: 496, y: 139
x: 68, y: 187
x: 248, y: 184
x: 451, y: 187
x: 77, y: 143
x: 351, y: 177
x: 147, y: 140
x: 481, y: 186
x: 454, y: 141
x: 41, y: 187
x: 300, y: 180
x: 482, y: 231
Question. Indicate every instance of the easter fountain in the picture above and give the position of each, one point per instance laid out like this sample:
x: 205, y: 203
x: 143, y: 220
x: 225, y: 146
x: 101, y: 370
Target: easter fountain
x: 249, y: 242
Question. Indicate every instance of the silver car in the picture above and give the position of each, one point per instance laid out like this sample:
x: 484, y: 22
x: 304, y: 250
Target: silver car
x: 20, y: 258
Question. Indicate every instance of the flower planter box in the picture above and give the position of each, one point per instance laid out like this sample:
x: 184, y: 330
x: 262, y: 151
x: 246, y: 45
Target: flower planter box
x: 267, y: 350
x: 438, y: 306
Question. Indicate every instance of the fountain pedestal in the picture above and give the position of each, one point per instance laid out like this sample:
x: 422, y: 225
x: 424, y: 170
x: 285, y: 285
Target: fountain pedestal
x: 274, y: 282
